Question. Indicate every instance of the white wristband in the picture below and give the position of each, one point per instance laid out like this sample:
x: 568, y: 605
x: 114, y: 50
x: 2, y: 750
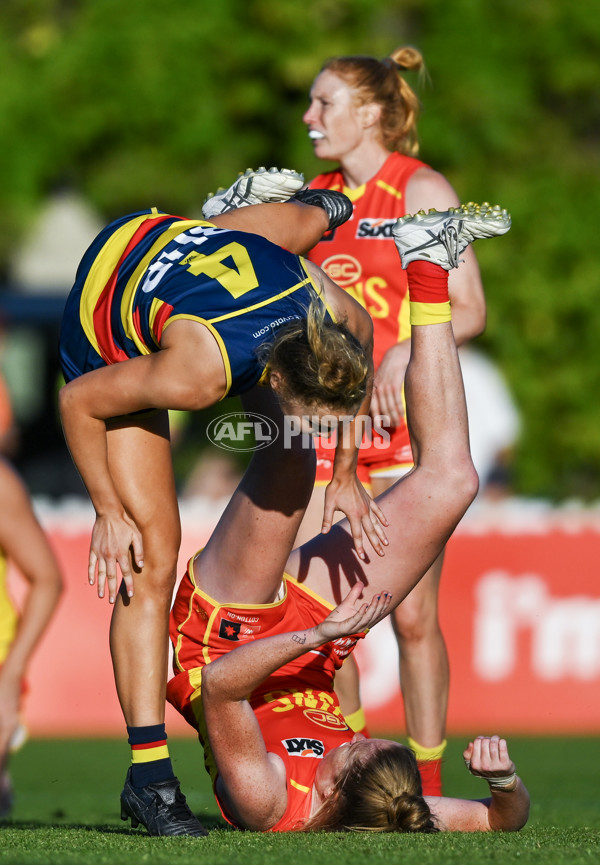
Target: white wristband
x: 507, y: 783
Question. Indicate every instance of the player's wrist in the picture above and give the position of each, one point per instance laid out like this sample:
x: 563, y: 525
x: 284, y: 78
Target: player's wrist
x: 502, y: 784
x: 507, y: 784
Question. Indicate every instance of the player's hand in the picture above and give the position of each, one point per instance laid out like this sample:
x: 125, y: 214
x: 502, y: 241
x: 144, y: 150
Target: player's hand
x: 353, y: 615
x: 387, y: 399
x: 112, y: 539
x: 347, y: 494
x: 488, y: 757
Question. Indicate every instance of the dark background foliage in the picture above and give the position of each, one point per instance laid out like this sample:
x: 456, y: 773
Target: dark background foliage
x: 150, y: 102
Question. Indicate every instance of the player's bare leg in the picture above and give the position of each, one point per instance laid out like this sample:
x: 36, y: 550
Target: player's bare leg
x: 141, y: 466
x: 255, y: 202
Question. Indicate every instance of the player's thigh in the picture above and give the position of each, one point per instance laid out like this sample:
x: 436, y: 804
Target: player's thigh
x: 140, y: 461
x: 419, y: 523
x: 312, y: 521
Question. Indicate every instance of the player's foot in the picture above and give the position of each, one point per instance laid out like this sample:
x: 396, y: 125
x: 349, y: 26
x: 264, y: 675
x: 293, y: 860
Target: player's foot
x: 160, y: 807
x: 440, y: 237
x: 262, y: 186
x: 336, y: 205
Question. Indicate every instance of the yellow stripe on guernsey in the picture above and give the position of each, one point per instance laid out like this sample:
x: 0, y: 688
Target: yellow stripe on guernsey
x: 147, y: 755
x: 392, y: 191
x: 355, y: 194
x: 101, y: 271
x: 128, y: 297
x: 218, y: 339
x: 300, y: 787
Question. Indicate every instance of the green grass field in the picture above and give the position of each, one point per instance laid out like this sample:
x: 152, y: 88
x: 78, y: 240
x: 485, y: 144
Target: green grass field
x: 67, y: 812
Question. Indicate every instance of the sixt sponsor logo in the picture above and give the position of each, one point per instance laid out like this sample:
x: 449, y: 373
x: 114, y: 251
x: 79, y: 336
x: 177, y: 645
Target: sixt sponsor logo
x: 380, y: 229
x: 304, y: 747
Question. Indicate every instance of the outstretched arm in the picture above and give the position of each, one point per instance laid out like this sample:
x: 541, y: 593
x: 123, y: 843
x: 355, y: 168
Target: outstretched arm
x: 506, y: 810
x: 251, y: 781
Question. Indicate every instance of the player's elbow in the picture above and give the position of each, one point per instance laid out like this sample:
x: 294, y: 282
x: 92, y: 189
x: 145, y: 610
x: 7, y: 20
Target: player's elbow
x: 462, y: 483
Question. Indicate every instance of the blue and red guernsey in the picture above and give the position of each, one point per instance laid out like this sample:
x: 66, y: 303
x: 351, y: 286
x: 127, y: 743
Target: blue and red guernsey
x: 149, y: 269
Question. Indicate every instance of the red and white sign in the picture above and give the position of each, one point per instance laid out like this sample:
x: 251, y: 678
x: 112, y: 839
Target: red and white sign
x: 520, y: 610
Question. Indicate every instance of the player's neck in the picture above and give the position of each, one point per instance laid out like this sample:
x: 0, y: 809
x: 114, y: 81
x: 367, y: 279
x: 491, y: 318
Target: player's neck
x: 363, y: 163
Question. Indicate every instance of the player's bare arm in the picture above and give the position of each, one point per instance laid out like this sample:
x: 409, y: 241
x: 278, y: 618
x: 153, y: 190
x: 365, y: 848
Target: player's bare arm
x: 187, y: 374
x: 252, y: 781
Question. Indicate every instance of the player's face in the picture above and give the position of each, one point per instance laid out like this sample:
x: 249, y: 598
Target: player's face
x: 319, y: 421
x: 339, y: 759
x: 334, y: 119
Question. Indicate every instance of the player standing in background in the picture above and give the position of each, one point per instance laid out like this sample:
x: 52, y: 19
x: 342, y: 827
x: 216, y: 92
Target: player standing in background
x: 363, y: 115
x: 23, y: 544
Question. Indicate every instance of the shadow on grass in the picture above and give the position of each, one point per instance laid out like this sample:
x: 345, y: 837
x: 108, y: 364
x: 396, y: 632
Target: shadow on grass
x: 104, y: 828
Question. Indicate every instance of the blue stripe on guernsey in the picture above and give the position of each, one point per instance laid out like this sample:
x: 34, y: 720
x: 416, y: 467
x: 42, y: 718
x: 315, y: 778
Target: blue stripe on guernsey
x: 241, y: 286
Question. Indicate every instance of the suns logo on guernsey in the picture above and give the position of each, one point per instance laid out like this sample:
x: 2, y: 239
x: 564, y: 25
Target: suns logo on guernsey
x: 325, y: 719
x: 379, y: 229
x: 342, y: 268
x: 304, y: 747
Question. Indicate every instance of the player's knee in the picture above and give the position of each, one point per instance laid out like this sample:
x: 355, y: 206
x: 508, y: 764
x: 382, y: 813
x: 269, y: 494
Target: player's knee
x: 414, y: 624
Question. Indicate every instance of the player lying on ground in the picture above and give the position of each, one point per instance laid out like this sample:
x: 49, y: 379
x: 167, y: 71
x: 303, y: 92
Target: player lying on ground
x: 259, y: 631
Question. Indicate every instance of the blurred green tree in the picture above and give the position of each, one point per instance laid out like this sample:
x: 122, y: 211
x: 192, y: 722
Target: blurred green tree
x: 156, y: 103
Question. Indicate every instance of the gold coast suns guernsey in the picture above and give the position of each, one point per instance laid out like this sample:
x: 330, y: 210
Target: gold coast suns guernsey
x: 296, y: 707
x: 361, y: 256
x: 8, y: 614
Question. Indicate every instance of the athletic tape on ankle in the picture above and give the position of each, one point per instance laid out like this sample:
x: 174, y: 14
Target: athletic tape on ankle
x: 423, y: 754
x: 430, y: 313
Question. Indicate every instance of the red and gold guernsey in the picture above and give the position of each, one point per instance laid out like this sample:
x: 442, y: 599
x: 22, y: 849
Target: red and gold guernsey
x: 8, y: 614
x: 361, y: 257
x: 296, y: 707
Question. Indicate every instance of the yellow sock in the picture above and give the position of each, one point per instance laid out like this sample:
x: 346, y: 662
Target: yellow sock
x: 357, y: 720
x: 423, y: 754
x: 429, y: 313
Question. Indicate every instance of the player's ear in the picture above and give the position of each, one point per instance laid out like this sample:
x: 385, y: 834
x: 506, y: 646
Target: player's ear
x: 370, y: 114
x: 276, y: 381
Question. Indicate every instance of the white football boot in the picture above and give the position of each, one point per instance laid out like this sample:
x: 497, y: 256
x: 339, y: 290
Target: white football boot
x: 262, y: 186
x: 440, y: 237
